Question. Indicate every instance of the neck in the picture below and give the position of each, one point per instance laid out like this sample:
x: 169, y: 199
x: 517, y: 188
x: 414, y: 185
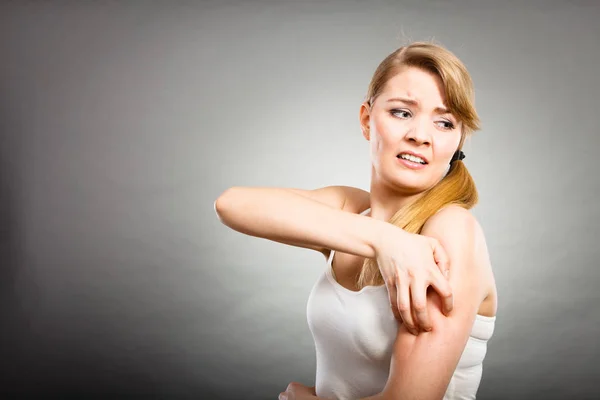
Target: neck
x: 387, y: 200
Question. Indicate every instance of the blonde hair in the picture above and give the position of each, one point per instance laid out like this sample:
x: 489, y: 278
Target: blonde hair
x: 457, y: 187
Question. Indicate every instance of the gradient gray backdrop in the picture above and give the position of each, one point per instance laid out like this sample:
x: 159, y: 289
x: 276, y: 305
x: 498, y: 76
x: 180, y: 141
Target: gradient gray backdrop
x: 122, y: 122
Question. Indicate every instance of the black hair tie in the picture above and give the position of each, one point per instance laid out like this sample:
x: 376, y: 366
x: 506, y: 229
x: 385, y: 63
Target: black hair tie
x: 458, y: 155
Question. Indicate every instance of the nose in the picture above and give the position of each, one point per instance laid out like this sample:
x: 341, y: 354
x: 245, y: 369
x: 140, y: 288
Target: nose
x: 418, y: 132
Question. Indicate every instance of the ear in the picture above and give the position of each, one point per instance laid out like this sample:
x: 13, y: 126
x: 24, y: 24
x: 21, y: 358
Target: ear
x: 365, y: 118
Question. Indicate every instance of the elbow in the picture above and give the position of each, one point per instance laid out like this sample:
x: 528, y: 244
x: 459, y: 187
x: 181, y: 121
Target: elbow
x: 225, y: 202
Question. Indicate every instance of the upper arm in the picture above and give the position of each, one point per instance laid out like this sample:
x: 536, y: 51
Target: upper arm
x: 423, y: 365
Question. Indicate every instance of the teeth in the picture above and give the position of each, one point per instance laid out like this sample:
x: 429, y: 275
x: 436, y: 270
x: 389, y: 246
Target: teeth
x: 412, y: 158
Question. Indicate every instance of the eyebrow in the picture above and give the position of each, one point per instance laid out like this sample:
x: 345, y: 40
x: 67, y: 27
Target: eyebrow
x: 412, y: 102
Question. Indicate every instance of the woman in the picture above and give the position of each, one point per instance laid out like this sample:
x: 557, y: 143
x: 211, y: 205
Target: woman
x: 417, y: 113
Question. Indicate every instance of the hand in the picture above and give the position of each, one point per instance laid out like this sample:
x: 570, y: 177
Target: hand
x: 409, y: 264
x: 297, y: 391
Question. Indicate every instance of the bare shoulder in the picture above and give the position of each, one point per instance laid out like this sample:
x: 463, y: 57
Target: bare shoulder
x: 455, y: 224
x: 452, y: 216
x: 456, y: 227
x: 357, y: 200
x: 463, y: 239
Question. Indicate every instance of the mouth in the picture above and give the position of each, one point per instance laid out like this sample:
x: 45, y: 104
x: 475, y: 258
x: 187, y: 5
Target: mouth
x: 412, y: 157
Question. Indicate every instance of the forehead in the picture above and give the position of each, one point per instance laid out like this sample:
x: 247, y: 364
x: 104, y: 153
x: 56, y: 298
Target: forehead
x: 415, y: 83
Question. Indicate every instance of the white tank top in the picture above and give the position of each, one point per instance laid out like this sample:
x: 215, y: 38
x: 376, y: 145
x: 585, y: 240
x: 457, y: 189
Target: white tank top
x: 354, y: 333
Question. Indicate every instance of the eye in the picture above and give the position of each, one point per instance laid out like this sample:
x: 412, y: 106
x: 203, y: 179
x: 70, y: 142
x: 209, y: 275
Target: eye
x: 401, y: 113
x: 447, y: 125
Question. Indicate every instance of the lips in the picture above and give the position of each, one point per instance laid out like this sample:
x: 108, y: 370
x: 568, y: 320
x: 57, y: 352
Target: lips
x: 410, y: 153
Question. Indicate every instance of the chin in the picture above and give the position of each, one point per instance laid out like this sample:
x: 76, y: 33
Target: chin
x: 410, y: 181
x: 409, y: 187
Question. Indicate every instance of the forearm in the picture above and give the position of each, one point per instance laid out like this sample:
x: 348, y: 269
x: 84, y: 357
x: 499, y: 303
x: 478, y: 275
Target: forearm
x: 281, y: 215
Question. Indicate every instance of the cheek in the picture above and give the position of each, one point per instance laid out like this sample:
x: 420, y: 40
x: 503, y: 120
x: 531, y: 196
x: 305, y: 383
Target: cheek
x: 387, y: 130
x: 446, y: 147
x: 374, y: 145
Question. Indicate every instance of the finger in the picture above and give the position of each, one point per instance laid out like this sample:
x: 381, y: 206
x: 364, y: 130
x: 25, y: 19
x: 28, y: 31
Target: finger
x: 404, y: 307
x: 443, y: 288
x: 282, y: 396
x: 292, y: 386
x: 418, y: 290
x: 392, y: 294
x: 440, y: 257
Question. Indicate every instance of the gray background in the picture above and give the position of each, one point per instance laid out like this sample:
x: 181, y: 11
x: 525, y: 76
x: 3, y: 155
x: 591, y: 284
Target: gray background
x: 122, y: 122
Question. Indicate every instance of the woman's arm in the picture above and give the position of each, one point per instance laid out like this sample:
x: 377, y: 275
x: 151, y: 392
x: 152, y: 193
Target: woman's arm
x: 327, y: 218
x: 321, y: 219
x: 422, y: 366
